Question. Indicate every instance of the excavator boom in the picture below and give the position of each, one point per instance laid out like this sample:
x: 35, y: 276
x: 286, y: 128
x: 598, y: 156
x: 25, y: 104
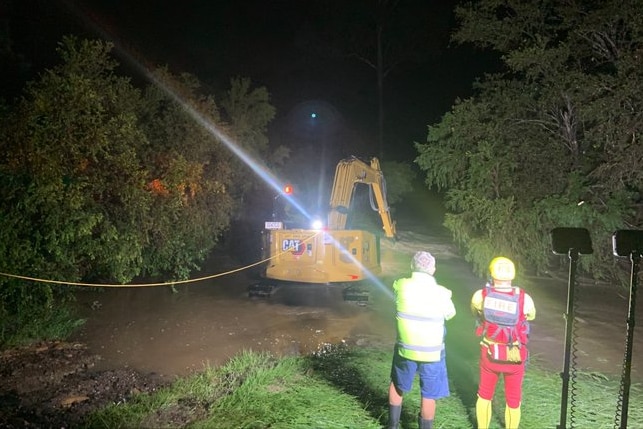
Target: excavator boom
x: 348, y: 174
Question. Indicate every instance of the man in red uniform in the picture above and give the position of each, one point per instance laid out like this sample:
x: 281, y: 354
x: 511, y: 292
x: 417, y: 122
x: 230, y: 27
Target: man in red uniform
x: 503, y: 313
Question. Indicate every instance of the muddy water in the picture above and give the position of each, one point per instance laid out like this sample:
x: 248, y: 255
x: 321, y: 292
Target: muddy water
x: 597, y: 338
x: 208, y: 322
x: 158, y: 330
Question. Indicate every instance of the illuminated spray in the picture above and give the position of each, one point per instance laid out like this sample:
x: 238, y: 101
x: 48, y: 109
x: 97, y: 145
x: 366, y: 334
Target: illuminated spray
x: 258, y: 168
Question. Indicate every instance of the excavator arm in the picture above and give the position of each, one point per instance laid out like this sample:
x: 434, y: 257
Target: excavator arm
x: 348, y: 174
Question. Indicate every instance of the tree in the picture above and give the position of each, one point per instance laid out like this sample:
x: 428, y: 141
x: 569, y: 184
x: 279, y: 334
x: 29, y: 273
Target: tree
x: 70, y: 148
x: 551, y: 141
x: 190, y: 184
x: 399, y: 178
x: 72, y: 184
x: 103, y: 182
x: 249, y: 112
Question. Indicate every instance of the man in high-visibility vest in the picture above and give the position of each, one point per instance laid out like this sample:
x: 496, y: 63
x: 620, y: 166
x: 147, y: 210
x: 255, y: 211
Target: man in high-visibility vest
x: 503, y: 312
x: 422, y: 308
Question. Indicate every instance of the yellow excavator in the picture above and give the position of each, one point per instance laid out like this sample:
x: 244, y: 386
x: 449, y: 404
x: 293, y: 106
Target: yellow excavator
x: 330, y: 254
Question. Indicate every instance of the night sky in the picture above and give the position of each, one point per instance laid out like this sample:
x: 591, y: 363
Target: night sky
x: 293, y: 48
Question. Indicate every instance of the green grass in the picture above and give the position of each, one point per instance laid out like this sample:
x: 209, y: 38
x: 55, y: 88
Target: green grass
x: 37, y: 323
x: 340, y: 387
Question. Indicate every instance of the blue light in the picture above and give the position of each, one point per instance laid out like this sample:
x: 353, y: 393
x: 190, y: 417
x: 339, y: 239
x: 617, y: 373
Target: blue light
x: 313, y: 115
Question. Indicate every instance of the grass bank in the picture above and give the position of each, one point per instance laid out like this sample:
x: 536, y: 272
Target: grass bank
x: 342, y: 387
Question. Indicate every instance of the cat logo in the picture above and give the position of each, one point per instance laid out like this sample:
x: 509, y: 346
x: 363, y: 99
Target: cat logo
x: 296, y: 247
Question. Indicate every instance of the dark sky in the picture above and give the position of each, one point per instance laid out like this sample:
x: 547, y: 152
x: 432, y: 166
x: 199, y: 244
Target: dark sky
x: 293, y: 47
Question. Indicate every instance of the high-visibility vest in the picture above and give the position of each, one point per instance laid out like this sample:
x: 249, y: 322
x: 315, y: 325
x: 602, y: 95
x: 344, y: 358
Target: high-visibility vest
x: 420, y: 317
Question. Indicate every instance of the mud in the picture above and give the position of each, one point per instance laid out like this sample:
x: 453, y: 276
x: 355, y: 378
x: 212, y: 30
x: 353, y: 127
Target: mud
x: 53, y: 384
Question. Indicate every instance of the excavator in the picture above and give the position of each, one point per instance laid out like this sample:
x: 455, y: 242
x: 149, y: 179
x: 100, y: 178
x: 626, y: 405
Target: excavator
x: 329, y: 254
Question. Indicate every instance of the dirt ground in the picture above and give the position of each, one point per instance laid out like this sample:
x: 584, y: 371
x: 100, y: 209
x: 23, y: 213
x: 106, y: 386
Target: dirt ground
x: 139, y: 339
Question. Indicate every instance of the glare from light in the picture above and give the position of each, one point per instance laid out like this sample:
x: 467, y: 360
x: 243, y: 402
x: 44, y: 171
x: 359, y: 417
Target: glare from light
x: 317, y: 224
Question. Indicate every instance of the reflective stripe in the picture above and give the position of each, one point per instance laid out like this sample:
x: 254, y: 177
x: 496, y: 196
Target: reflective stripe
x: 416, y: 348
x: 488, y: 342
x: 409, y: 316
x: 495, y: 353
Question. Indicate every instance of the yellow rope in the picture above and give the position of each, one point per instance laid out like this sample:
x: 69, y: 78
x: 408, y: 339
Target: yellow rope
x: 172, y: 283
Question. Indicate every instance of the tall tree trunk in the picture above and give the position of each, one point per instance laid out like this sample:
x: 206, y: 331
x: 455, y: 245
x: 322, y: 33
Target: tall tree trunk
x: 380, y: 92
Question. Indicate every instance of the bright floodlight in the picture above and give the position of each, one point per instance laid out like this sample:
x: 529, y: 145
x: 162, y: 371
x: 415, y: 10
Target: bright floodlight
x: 317, y: 224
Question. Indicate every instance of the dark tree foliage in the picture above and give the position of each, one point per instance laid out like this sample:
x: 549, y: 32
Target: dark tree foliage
x: 552, y: 141
x: 104, y: 183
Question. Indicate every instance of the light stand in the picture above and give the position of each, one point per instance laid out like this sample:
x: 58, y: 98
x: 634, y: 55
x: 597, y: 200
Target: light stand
x: 628, y: 243
x: 571, y: 242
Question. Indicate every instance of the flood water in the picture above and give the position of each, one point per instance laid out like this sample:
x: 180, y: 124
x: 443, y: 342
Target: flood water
x: 153, y: 329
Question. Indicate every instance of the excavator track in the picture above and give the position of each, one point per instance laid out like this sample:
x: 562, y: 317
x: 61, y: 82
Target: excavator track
x: 357, y: 294
x: 262, y: 290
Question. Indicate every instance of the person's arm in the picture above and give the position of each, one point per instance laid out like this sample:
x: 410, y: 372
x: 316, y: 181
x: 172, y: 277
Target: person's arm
x: 396, y: 284
x: 450, y: 310
x: 529, y: 308
x: 476, y: 303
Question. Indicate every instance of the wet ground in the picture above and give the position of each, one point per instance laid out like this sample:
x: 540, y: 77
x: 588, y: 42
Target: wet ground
x: 138, y: 339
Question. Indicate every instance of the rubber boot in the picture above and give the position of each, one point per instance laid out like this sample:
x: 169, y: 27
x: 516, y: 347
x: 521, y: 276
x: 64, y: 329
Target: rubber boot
x: 424, y: 424
x: 394, y: 413
x: 483, y: 413
x: 512, y: 417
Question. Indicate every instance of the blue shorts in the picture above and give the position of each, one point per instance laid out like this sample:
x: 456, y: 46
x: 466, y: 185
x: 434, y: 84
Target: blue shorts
x: 434, y: 380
